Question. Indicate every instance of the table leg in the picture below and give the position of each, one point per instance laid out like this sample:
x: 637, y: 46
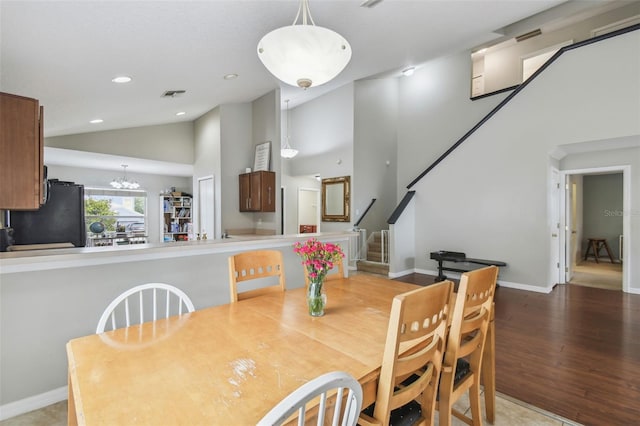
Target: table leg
x: 489, y: 373
x: 72, y: 420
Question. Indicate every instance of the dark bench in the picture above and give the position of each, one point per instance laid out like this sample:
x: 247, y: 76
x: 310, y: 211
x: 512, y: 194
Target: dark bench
x: 458, y: 257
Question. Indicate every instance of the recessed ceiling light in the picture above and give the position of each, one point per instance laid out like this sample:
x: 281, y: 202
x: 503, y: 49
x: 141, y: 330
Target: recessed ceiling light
x: 180, y: 113
x: 121, y: 79
x: 230, y: 76
x: 96, y: 121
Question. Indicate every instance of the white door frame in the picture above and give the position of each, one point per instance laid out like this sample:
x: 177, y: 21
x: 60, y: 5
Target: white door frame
x: 211, y: 233
x: 554, y: 226
x: 626, y: 218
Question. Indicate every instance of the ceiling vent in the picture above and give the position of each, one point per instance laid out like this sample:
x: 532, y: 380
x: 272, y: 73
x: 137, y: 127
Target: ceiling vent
x: 173, y: 93
x: 528, y: 35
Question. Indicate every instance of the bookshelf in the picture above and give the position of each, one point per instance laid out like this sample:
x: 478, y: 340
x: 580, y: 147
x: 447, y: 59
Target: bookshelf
x: 176, y: 224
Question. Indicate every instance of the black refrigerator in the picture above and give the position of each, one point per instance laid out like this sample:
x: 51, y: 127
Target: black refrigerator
x: 59, y: 220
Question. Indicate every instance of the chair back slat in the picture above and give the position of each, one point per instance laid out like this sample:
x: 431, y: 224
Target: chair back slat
x: 146, y: 308
x: 330, y: 388
x: 266, y: 267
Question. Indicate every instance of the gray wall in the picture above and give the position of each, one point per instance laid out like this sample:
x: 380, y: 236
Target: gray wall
x: 266, y: 127
x: 208, y: 160
x: 322, y: 130
x: 237, y: 149
x: 375, y: 151
x: 165, y: 142
x: 489, y: 199
x: 502, y: 65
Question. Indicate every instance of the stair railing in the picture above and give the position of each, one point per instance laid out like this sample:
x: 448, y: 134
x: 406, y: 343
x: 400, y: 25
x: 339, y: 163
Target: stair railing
x: 384, y: 246
x: 355, y: 225
x: 359, y: 244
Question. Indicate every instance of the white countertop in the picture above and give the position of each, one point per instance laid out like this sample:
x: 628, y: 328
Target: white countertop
x: 37, y: 260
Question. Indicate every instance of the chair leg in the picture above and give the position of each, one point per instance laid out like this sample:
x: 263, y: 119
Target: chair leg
x: 444, y: 411
x: 488, y: 372
x: 474, y: 399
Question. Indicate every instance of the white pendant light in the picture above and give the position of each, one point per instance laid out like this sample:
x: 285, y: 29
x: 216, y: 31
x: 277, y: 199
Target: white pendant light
x: 304, y: 55
x: 123, y: 183
x: 287, y: 151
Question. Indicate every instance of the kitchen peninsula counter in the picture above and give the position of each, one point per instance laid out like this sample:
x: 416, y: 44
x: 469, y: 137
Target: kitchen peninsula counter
x: 37, y: 260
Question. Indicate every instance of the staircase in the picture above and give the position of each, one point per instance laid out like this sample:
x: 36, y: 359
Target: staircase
x: 377, y: 261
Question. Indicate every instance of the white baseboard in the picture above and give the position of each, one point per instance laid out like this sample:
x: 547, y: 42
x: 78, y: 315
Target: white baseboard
x: 526, y: 287
x: 507, y: 284
x: 401, y: 273
x: 31, y: 403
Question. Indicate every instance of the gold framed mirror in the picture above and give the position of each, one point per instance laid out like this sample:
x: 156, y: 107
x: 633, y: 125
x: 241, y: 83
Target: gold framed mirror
x: 336, y: 194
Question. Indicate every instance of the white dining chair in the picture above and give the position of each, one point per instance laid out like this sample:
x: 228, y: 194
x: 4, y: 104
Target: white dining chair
x: 151, y: 295
x: 320, y: 386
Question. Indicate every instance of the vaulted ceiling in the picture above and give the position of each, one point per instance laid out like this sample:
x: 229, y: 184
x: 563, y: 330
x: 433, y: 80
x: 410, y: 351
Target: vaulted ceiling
x: 65, y: 53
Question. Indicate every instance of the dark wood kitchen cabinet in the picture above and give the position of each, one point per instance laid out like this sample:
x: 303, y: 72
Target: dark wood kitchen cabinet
x: 258, y: 192
x: 21, y: 153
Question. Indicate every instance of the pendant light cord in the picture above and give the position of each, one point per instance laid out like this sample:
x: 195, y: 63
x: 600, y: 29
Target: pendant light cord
x: 306, y: 13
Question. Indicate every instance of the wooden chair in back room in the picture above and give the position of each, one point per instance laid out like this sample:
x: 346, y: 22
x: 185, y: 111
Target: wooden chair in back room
x: 266, y: 265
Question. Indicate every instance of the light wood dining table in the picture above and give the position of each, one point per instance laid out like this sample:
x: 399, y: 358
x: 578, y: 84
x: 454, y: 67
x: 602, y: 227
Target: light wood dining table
x: 230, y: 364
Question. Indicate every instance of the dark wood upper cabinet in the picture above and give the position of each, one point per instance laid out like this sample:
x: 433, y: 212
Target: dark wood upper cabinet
x: 257, y: 192
x: 21, y: 153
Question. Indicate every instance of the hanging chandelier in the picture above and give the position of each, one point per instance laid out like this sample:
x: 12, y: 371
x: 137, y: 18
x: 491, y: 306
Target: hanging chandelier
x: 303, y: 54
x: 287, y: 151
x: 123, y: 183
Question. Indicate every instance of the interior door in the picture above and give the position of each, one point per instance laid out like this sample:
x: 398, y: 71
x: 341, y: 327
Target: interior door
x: 206, y: 215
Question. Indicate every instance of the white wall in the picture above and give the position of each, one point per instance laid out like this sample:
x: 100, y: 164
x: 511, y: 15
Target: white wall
x: 489, y: 198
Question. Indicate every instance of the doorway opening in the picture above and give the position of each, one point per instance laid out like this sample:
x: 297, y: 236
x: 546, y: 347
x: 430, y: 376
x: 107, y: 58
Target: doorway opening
x: 592, y: 216
x: 308, y: 210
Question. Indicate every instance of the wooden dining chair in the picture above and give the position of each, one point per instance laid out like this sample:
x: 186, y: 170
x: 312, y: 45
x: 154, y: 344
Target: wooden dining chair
x: 330, y: 388
x: 465, y: 344
x: 413, y: 354
x: 336, y: 273
x: 261, y: 265
x: 147, y: 306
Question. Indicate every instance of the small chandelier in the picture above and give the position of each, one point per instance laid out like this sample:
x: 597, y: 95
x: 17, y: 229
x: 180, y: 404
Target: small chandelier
x: 123, y: 183
x: 287, y: 151
x: 304, y: 55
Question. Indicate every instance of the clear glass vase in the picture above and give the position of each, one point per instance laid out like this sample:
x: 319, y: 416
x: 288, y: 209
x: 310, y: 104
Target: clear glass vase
x: 316, y: 299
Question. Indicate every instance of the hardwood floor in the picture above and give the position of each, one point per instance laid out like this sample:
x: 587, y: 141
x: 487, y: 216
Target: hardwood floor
x: 574, y: 352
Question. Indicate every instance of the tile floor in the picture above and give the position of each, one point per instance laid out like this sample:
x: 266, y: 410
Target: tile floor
x: 509, y: 412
